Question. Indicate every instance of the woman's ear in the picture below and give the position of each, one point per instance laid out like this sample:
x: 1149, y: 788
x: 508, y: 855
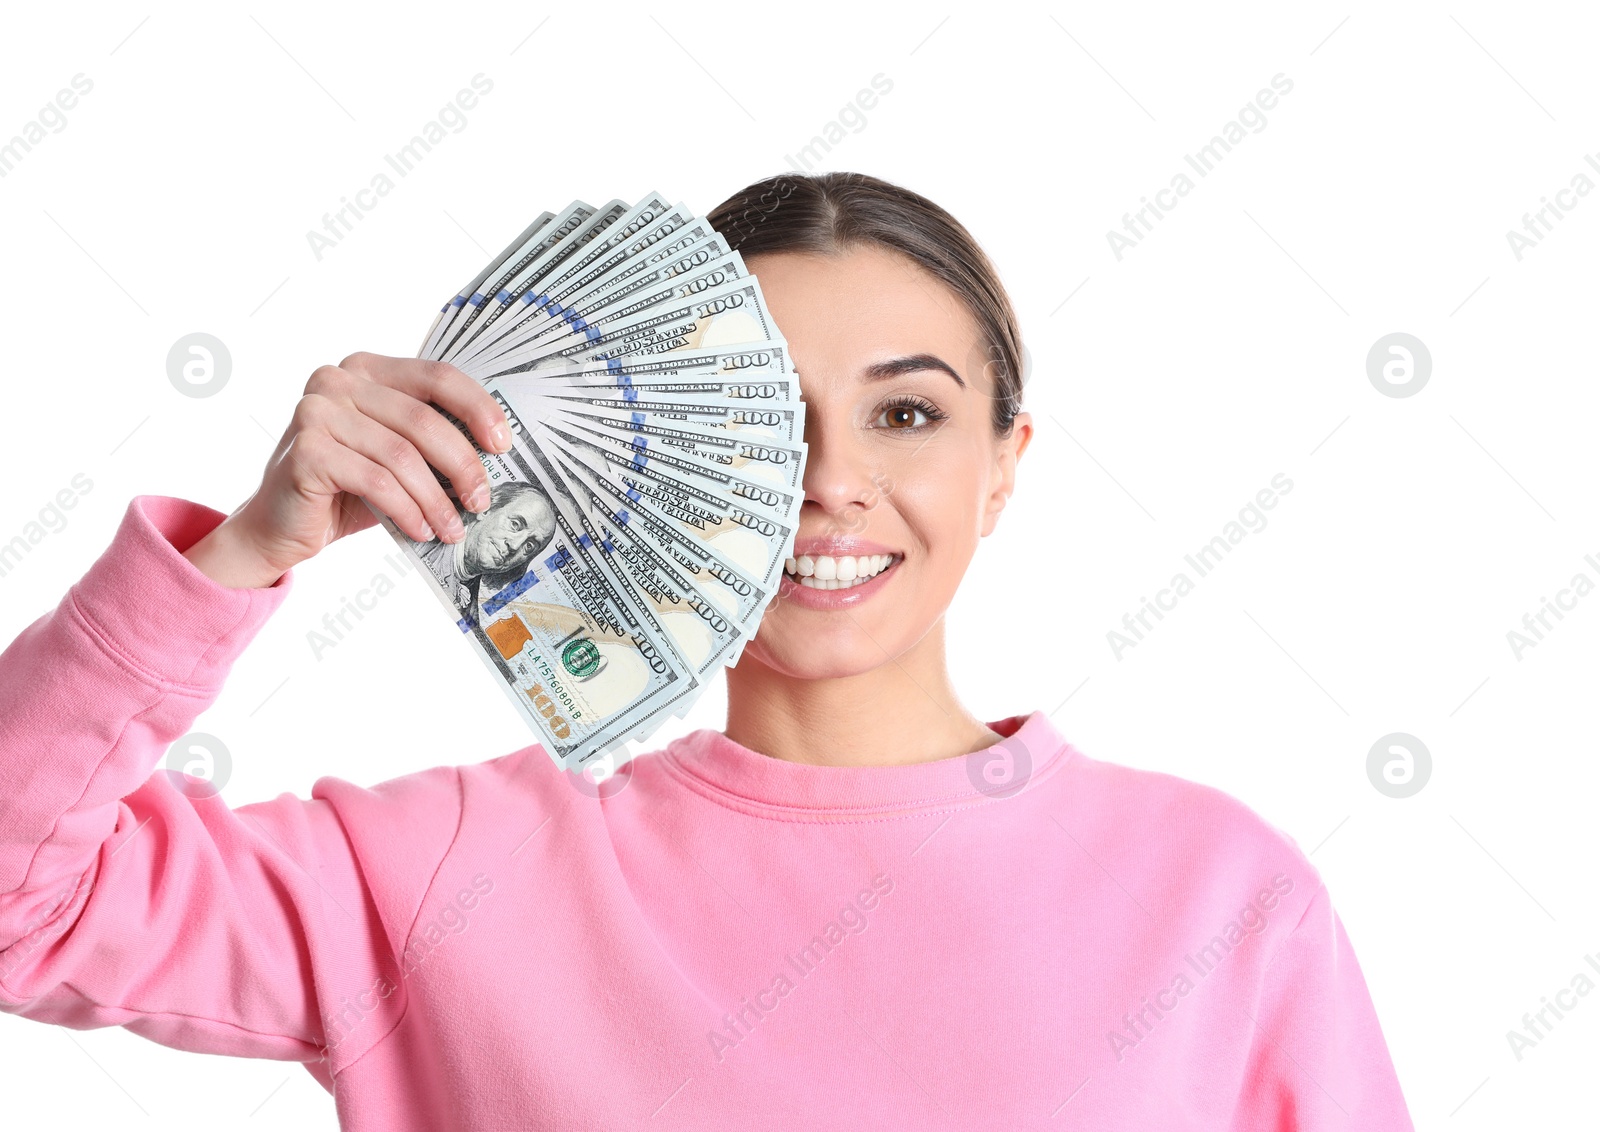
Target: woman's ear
x: 1004, y: 478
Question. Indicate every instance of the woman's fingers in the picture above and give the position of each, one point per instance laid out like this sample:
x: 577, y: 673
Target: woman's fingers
x: 348, y: 470
x: 396, y: 393
x: 441, y: 444
x: 442, y: 384
x: 395, y: 454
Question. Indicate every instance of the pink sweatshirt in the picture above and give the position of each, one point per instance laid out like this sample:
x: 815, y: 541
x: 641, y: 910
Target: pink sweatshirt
x: 1022, y: 938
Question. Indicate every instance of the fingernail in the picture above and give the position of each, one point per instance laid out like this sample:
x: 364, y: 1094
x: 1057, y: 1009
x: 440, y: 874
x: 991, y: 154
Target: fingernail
x: 501, y: 437
x: 427, y: 533
x: 454, y: 531
x: 478, y: 500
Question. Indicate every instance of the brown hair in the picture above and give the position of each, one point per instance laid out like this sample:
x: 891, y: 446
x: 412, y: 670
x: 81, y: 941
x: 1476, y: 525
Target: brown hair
x: 826, y: 213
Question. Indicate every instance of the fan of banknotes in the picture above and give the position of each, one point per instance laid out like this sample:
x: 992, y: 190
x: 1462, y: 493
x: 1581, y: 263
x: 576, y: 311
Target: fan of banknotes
x: 639, y: 524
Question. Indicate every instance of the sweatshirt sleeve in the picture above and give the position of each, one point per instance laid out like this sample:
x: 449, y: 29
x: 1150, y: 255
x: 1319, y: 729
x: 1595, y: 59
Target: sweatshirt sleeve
x: 132, y: 898
x: 1318, y: 1061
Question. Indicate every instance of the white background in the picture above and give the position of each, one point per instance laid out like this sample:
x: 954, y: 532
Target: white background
x: 1168, y: 387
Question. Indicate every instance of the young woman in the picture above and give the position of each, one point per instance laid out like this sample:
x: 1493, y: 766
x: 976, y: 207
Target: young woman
x: 859, y: 905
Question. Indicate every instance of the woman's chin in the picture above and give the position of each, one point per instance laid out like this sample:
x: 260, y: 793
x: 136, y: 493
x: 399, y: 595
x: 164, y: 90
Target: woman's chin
x: 808, y: 658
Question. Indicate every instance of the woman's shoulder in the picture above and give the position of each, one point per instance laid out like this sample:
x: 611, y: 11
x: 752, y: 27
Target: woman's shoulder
x: 439, y: 810
x: 436, y: 797
x: 1168, y: 792
x: 1181, y: 827
x: 444, y: 787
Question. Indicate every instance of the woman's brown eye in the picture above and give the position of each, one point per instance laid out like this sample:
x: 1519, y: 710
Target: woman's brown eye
x: 906, y: 414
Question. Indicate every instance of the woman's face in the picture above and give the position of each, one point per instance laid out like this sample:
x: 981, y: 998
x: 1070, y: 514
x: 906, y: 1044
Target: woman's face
x: 903, y: 464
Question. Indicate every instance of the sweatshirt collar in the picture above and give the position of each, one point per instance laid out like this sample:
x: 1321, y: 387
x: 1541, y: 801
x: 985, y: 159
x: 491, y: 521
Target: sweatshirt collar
x: 707, y: 761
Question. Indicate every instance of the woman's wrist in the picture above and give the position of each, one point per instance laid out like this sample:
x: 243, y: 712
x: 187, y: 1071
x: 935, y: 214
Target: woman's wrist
x: 228, y: 557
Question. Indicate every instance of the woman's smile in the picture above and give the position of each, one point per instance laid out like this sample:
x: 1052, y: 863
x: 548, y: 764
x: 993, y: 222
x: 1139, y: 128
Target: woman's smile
x: 836, y: 573
x: 827, y: 572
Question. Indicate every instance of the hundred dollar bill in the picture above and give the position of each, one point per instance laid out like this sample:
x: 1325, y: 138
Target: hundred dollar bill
x: 667, y: 592
x: 755, y: 474
x: 685, y: 248
x: 744, y: 366
x: 727, y: 458
x: 629, y: 309
x: 549, y: 317
x: 647, y: 221
x: 780, y: 390
x: 730, y: 417
x: 746, y: 443
x: 651, y: 219
x: 587, y: 667
x: 466, y: 293
x: 513, y: 283
x: 738, y: 594
x: 532, y: 244
x: 702, y: 629
x: 746, y: 523
x: 732, y: 313
x: 632, y: 238
x: 781, y: 424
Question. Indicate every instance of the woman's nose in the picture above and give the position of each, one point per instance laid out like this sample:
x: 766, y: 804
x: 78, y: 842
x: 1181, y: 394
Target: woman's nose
x: 839, y: 469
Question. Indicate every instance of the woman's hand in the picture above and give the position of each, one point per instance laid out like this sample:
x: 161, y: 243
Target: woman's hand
x: 366, y: 428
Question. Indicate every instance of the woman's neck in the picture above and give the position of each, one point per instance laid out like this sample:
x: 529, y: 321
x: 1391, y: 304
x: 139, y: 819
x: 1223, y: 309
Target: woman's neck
x: 903, y: 711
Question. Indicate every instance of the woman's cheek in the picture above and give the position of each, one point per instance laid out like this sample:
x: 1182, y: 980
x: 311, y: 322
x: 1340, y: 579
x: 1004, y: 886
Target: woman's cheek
x: 942, y: 523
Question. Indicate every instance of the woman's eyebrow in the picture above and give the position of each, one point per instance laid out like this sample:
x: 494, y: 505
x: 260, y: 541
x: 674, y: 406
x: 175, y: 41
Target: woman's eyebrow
x: 894, y: 367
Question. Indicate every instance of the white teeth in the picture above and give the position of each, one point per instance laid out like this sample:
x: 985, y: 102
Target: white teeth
x: 829, y: 572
